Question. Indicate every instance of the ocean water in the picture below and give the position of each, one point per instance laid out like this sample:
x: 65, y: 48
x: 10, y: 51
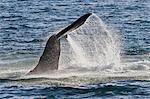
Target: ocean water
x: 25, y: 26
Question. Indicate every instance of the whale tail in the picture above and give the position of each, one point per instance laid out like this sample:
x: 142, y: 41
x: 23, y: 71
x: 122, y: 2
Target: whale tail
x: 50, y: 57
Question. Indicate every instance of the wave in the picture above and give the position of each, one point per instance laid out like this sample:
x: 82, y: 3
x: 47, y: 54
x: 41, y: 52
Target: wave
x: 73, y: 77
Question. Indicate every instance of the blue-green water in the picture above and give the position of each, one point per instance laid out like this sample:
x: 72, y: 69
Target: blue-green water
x: 25, y: 26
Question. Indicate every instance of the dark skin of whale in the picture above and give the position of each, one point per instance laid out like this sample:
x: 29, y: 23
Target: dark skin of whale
x: 50, y: 58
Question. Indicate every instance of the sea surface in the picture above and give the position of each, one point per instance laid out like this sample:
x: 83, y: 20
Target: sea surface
x: 25, y: 26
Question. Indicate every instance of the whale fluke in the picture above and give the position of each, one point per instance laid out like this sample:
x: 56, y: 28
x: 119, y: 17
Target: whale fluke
x: 73, y: 26
x: 50, y: 57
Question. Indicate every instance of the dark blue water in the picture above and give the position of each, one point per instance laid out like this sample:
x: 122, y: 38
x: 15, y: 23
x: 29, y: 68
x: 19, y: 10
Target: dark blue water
x: 25, y: 26
x: 113, y: 90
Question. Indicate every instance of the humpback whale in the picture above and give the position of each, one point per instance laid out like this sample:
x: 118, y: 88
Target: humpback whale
x: 50, y: 58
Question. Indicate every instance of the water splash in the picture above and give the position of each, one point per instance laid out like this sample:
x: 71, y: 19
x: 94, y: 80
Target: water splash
x: 91, y: 45
x: 79, y: 54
